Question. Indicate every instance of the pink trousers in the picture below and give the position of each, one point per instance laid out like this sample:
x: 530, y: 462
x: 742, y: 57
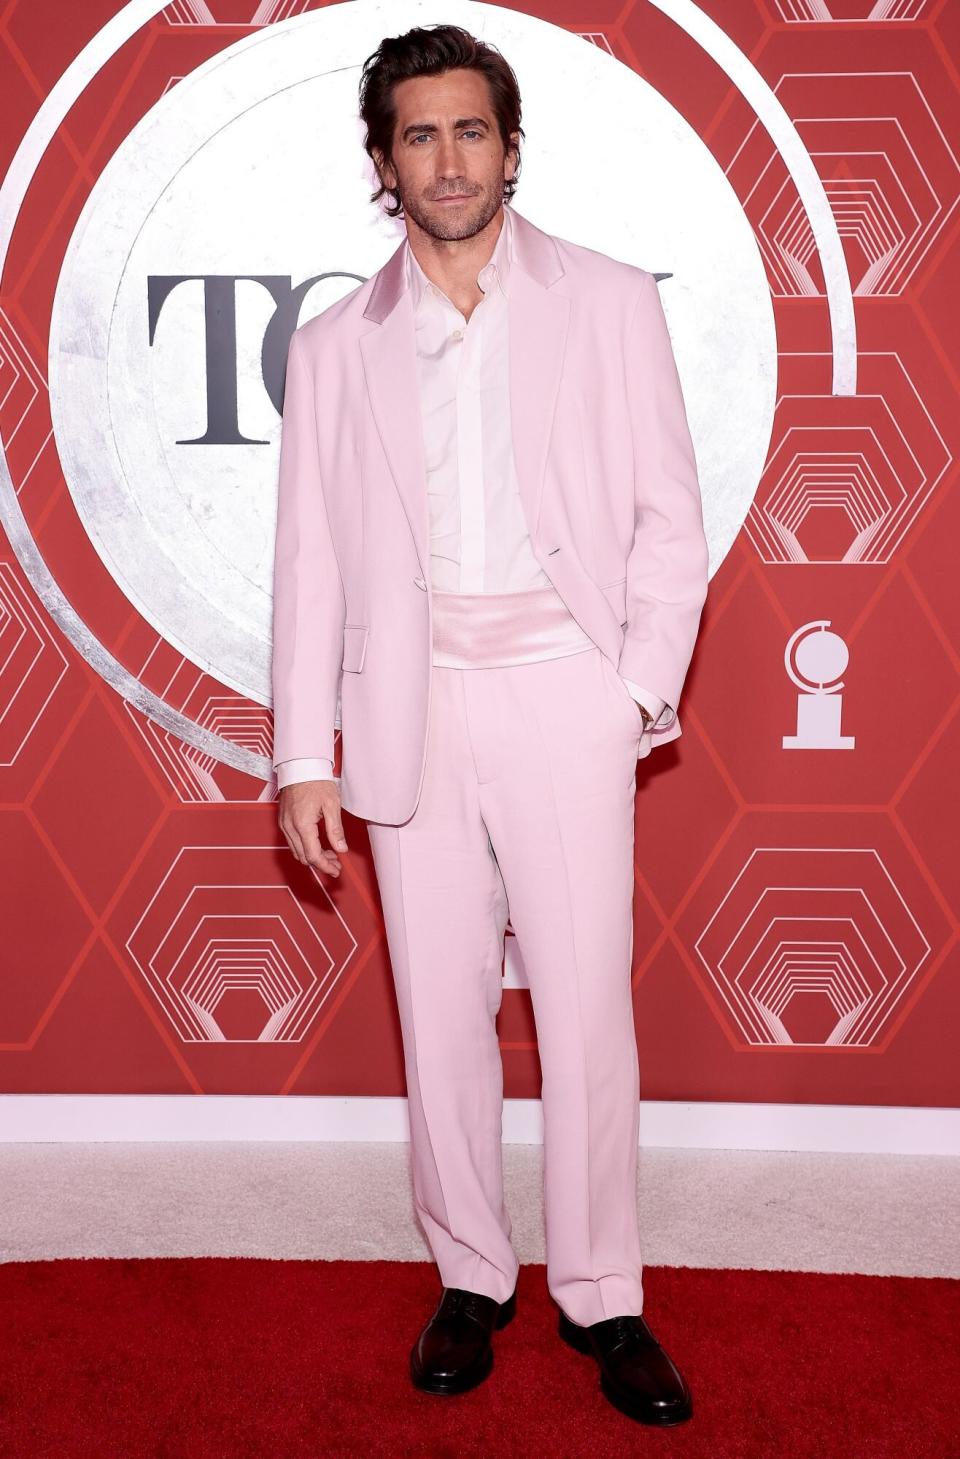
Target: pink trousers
x: 527, y: 810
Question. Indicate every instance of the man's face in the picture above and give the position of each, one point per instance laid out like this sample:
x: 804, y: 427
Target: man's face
x: 449, y: 163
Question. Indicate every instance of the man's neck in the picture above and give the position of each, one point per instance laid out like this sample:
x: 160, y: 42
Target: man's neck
x: 453, y: 264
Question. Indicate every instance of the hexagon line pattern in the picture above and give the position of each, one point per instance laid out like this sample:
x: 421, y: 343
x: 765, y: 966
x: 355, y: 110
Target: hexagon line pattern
x: 199, y: 13
x: 21, y: 386
x: 792, y: 948
x: 193, y: 775
x: 188, y: 12
x: 817, y: 12
x: 892, y: 177
x: 200, y: 941
x: 827, y: 921
x: 32, y: 665
x: 871, y: 461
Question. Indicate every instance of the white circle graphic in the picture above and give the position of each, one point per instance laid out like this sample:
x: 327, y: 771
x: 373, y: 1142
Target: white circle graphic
x: 356, y: 31
x: 252, y: 168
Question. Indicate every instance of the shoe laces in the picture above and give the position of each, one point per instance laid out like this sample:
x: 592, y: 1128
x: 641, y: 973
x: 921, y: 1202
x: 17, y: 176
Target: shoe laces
x: 459, y: 1300
x: 630, y: 1329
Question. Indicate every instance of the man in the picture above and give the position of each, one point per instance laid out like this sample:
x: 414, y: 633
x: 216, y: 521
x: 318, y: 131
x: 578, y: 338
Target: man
x: 490, y: 560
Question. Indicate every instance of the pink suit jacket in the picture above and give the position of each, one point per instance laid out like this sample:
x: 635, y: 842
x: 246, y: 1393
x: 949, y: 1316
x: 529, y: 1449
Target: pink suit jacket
x: 608, y: 483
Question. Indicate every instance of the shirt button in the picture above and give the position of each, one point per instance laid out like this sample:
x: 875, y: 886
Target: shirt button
x: 458, y: 334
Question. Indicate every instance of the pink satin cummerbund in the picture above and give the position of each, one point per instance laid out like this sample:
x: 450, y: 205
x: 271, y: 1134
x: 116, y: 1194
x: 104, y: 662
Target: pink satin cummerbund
x: 491, y: 630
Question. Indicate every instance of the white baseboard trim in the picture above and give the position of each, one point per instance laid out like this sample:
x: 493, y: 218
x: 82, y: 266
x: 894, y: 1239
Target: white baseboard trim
x: 852, y: 1129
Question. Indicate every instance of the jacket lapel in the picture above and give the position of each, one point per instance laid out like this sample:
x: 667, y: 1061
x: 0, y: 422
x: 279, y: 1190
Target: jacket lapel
x: 538, y: 333
x: 538, y: 336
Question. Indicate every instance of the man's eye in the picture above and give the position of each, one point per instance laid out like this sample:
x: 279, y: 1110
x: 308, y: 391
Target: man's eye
x: 469, y: 132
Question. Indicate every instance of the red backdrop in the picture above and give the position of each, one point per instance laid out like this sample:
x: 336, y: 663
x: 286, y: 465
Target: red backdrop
x: 795, y: 912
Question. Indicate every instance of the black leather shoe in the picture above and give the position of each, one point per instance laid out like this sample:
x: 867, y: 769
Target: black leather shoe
x: 454, y: 1351
x: 635, y: 1373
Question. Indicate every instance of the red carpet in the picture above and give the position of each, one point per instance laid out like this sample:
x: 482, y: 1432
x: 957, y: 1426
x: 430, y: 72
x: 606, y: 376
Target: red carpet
x: 242, y: 1359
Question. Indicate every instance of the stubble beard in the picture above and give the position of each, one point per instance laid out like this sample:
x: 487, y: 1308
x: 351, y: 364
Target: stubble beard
x: 464, y: 222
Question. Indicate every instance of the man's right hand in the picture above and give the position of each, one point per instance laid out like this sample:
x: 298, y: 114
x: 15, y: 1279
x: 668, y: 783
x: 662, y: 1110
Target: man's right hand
x: 302, y: 808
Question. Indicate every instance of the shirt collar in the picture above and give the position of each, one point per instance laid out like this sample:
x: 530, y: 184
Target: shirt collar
x: 495, y: 271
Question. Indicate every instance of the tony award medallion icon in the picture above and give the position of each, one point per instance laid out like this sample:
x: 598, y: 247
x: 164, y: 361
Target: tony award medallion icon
x: 815, y: 659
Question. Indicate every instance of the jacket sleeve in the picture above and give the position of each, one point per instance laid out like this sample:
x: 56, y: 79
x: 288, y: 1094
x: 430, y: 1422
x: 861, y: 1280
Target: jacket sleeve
x: 667, y: 567
x: 309, y: 609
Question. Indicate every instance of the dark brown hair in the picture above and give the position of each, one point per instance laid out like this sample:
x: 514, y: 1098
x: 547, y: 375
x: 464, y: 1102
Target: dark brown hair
x: 429, y: 51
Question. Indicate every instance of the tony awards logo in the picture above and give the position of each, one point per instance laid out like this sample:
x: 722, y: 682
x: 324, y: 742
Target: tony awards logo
x: 238, y: 206
x: 815, y: 659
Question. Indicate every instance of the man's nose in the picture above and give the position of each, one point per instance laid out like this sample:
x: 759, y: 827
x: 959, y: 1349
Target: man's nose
x: 448, y: 160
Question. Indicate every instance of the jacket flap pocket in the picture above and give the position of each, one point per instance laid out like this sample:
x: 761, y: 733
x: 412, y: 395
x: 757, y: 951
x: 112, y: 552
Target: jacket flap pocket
x: 354, y: 646
x: 616, y: 596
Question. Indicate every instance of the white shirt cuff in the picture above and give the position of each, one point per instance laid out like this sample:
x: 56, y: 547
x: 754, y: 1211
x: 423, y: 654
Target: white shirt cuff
x: 292, y: 772
x: 651, y: 702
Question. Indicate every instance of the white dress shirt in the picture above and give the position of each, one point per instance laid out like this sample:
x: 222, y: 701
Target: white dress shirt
x: 479, y: 542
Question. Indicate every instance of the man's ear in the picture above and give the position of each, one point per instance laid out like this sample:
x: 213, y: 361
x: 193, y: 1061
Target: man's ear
x: 383, y: 166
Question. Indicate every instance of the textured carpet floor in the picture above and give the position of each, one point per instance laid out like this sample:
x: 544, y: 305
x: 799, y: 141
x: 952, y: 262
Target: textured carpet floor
x: 220, y: 1358
x: 884, y: 1215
